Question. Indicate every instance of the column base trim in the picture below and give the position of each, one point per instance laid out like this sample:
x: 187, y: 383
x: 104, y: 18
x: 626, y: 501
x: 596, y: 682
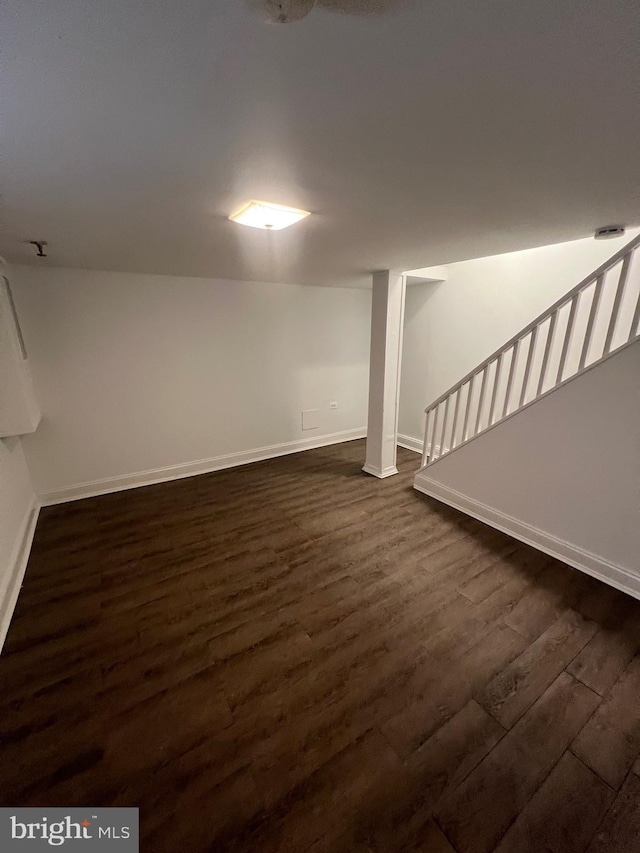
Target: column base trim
x: 380, y: 473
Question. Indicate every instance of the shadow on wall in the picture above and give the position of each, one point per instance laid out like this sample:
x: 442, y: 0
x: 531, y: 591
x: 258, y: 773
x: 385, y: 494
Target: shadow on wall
x: 413, y: 376
x: 421, y: 294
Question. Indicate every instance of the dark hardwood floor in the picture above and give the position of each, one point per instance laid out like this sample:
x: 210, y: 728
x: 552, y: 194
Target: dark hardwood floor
x: 294, y: 656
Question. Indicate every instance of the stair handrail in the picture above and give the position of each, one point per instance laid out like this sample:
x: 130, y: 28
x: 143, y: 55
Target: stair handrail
x: 593, y: 276
x: 572, y: 297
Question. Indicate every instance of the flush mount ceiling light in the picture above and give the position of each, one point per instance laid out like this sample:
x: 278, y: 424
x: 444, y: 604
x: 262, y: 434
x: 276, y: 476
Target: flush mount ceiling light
x: 267, y: 215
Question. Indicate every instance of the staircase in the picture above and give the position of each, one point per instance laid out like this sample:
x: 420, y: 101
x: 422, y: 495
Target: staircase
x: 542, y: 439
x: 588, y: 324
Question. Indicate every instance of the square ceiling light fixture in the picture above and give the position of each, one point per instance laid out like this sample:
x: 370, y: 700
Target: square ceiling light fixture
x: 267, y: 215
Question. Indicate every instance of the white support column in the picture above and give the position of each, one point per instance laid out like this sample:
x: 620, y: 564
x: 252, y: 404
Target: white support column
x: 387, y: 322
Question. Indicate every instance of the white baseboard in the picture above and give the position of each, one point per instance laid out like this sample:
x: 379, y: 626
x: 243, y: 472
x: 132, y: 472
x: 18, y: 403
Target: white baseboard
x: 568, y: 553
x: 410, y: 443
x: 416, y: 444
x: 17, y: 567
x: 190, y: 469
x: 380, y: 473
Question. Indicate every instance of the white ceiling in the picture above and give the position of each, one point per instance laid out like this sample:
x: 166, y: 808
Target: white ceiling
x: 446, y: 130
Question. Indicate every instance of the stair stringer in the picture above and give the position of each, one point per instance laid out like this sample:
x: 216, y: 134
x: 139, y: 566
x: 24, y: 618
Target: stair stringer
x: 562, y: 475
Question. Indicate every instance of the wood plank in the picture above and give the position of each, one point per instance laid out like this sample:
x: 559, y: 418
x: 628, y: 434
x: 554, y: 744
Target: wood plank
x: 449, y: 687
x: 479, y: 811
x: 458, y: 747
x: 463, y: 559
x: 196, y: 813
x: 279, y: 659
x: 330, y: 800
x: 457, y: 638
x: 524, y: 563
x: 166, y: 725
x: 508, y: 696
x: 606, y: 656
x: 400, y: 817
x: 488, y: 581
x: 544, y: 602
x: 563, y: 814
x: 610, y: 742
x: 620, y: 830
x: 432, y: 840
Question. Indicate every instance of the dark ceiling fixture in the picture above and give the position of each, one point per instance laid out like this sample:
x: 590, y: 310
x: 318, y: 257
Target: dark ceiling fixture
x: 609, y: 231
x: 287, y: 11
x: 39, y: 244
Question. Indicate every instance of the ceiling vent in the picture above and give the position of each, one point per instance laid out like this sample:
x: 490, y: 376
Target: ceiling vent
x: 609, y: 231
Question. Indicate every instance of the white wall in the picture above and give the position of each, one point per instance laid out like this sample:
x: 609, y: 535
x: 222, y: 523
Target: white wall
x: 453, y: 326
x: 566, y: 469
x: 16, y: 503
x: 139, y: 372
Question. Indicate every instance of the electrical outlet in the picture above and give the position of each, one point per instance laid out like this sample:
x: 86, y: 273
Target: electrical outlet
x: 333, y: 405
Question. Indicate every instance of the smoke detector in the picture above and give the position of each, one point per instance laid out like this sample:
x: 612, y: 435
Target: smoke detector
x: 609, y: 231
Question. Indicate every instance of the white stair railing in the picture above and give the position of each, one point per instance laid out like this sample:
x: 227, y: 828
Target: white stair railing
x: 593, y: 320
